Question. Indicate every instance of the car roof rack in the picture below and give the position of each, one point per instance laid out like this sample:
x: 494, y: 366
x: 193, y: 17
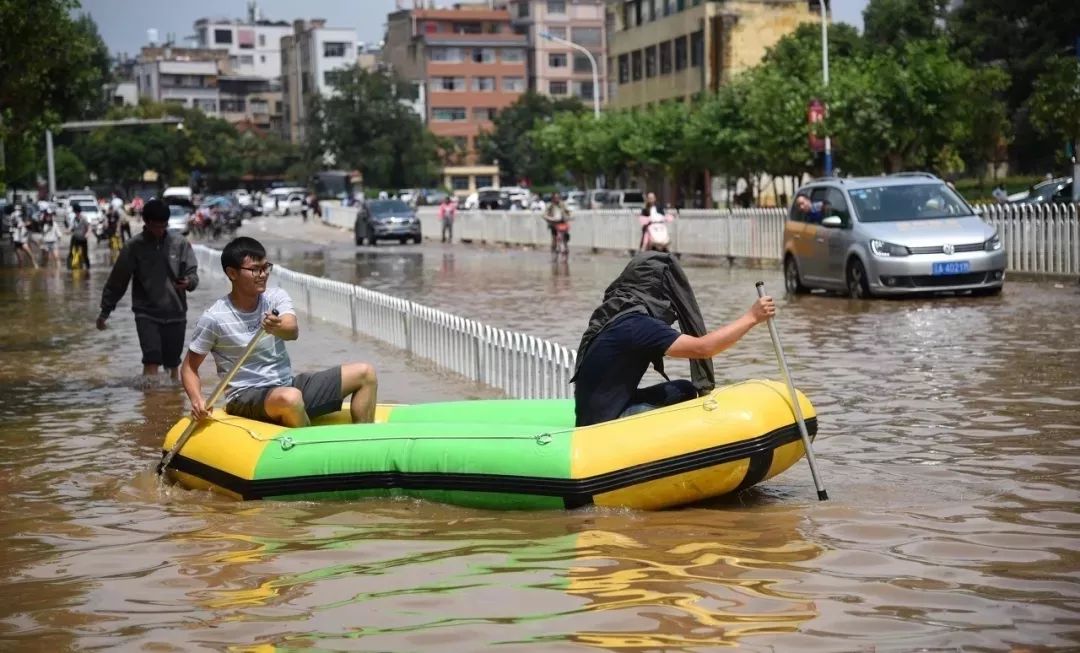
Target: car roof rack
x: 914, y: 173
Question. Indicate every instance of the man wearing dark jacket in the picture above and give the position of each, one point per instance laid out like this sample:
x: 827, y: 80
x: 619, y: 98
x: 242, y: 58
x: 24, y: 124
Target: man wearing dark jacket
x: 631, y: 329
x: 164, y: 270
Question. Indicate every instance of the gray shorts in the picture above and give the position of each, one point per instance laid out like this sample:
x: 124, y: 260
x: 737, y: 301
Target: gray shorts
x: 321, y: 392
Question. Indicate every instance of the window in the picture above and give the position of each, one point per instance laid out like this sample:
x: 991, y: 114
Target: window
x: 697, y: 49
x: 334, y: 77
x: 655, y: 9
x: 582, y: 64
x: 680, y: 53
x: 557, y: 60
x: 262, y: 40
x: 448, y: 114
x: 262, y: 58
x: 483, y: 83
x: 583, y: 90
x: 209, y: 106
x: 650, y: 61
x: 468, y: 28
x: 234, y: 105
x: 483, y: 55
x: 556, y: 6
x: 635, y: 65
x: 459, y: 182
x: 624, y: 68
x: 513, y: 55
x: 223, y: 36
x: 247, y: 60
x: 835, y: 204
x: 484, y: 113
x: 523, y: 9
x: 279, y: 106
x: 513, y: 84
x: 665, y: 58
x: 586, y: 35
x: 335, y: 49
x: 445, y: 54
x: 557, y: 88
x: 484, y: 181
x: 448, y: 84
x: 259, y: 106
x: 559, y: 32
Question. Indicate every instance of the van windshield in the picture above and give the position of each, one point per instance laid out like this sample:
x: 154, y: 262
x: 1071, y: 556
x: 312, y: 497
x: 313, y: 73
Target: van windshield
x: 908, y: 202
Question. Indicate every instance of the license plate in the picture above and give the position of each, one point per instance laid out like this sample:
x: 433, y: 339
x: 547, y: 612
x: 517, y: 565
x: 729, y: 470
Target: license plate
x: 952, y: 267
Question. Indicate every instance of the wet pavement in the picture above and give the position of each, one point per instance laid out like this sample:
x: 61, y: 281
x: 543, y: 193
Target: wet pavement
x: 949, y: 443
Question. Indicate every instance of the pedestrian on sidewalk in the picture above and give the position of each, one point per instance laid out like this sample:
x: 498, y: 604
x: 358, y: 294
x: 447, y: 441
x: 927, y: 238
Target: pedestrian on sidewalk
x: 164, y: 270
x: 447, y: 213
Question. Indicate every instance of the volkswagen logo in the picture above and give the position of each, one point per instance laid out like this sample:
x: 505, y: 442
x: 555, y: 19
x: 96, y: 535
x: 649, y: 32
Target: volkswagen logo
x: 948, y: 249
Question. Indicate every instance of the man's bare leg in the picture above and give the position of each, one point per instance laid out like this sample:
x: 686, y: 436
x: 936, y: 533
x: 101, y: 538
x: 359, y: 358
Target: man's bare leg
x: 360, y: 381
x: 151, y: 370
x: 285, y: 405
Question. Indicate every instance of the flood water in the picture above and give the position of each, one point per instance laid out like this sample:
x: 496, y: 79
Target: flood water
x: 949, y: 443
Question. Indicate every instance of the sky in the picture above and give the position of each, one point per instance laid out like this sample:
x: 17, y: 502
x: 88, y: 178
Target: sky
x: 123, y: 23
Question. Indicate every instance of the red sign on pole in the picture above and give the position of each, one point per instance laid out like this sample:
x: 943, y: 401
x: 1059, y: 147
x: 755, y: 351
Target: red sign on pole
x: 815, y: 113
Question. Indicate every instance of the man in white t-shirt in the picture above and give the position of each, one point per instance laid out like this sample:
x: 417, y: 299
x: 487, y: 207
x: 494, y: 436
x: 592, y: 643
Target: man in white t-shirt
x: 264, y: 388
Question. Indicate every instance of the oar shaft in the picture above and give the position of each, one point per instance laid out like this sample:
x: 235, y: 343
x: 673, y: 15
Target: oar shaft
x: 214, y: 396
x: 796, y: 408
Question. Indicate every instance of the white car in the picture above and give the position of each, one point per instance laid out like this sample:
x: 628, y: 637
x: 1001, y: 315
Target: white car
x: 280, y: 201
x: 179, y: 219
x: 472, y: 202
x: 518, y: 196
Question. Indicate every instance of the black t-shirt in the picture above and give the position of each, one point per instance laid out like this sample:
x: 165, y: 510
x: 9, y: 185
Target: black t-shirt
x: 615, y: 362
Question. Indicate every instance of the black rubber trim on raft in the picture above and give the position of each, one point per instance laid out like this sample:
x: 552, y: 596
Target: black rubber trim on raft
x: 574, y: 492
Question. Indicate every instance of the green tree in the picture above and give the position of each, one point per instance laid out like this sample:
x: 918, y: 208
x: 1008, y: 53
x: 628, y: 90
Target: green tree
x: 70, y: 171
x: 510, y: 141
x: 52, y: 68
x: 1055, y: 101
x: 365, y: 126
x: 893, y: 23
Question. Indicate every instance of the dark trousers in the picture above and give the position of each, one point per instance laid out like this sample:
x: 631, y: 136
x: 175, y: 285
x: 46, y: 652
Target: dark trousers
x: 660, y: 395
x: 161, y: 342
x: 448, y: 231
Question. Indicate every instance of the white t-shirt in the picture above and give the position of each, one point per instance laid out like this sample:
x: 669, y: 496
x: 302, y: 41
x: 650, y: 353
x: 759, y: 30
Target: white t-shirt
x: 225, y: 331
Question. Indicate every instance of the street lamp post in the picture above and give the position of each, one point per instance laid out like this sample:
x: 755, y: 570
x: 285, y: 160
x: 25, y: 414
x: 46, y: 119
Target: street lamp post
x: 86, y: 125
x: 595, y: 77
x: 825, y: 78
x: 592, y: 62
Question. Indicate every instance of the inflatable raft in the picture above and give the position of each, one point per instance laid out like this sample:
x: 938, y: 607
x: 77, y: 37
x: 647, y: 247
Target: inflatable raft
x: 509, y: 454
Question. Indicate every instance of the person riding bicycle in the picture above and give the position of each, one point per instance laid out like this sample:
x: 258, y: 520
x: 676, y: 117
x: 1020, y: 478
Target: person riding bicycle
x: 558, y: 218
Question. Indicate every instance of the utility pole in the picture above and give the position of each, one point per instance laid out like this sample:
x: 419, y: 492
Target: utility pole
x: 825, y: 77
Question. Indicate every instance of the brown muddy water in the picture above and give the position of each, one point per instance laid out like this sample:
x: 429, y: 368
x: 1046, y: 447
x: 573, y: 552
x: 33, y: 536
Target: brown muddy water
x: 949, y: 443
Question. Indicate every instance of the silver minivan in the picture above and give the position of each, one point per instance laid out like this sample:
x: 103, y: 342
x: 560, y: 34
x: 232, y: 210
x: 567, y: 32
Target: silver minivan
x: 892, y: 235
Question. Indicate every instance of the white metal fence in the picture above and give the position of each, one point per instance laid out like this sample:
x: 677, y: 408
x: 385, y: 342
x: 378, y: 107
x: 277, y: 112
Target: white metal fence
x: 521, y: 365
x: 1039, y: 238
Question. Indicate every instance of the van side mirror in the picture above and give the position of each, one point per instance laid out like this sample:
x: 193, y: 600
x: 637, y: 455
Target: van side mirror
x: 832, y: 221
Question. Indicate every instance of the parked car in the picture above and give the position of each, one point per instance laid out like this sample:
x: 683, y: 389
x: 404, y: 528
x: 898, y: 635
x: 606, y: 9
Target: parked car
x: 1052, y: 191
x: 386, y: 220
x: 516, y: 197
x: 470, y: 202
x: 283, y: 200
x: 179, y: 219
x: 492, y: 198
x: 624, y: 199
x: 890, y: 235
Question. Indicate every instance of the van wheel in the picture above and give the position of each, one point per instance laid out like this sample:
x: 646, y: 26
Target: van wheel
x: 857, y: 285
x: 792, y: 283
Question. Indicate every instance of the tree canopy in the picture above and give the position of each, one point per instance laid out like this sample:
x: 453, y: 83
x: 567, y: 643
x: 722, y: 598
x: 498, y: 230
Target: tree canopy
x: 510, y: 142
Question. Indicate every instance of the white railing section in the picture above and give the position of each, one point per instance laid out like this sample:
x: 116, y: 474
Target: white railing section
x: 520, y: 365
x: 1039, y: 238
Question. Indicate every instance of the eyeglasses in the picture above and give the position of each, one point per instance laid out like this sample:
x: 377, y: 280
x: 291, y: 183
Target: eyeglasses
x: 260, y: 271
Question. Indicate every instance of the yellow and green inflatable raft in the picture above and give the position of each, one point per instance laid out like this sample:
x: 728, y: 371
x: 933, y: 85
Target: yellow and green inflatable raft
x: 517, y: 454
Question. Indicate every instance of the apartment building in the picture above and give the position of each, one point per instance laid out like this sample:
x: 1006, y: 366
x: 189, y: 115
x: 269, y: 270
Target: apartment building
x: 662, y: 50
x: 555, y: 67
x: 310, y: 58
x: 253, y: 45
x: 472, y: 64
x: 188, y: 83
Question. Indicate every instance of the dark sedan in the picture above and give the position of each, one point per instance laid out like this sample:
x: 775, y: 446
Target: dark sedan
x: 386, y: 220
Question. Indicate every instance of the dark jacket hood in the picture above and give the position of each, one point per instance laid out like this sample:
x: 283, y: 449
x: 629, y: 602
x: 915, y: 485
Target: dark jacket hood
x: 653, y: 283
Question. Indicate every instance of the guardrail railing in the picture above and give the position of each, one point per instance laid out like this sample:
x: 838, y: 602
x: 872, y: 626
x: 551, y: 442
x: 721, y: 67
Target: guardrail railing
x: 1039, y: 238
x: 521, y: 365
